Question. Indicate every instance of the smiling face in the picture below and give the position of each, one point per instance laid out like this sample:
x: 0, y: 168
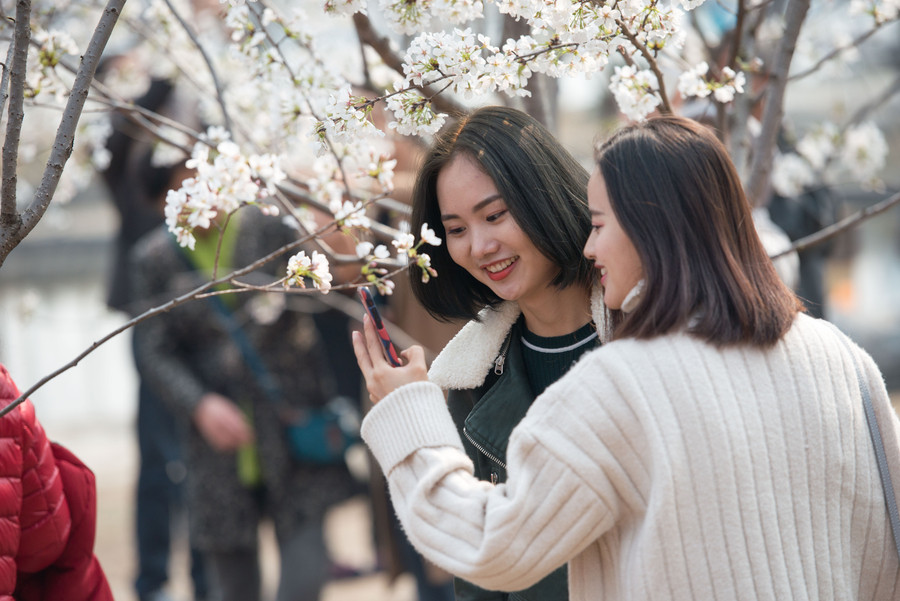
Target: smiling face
x: 485, y: 240
x: 609, y: 247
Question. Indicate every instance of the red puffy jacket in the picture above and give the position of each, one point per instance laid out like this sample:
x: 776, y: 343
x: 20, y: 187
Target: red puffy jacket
x: 48, y: 513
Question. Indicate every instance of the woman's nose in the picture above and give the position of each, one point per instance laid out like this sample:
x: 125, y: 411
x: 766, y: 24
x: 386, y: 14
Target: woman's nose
x: 484, y: 243
x: 589, y: 247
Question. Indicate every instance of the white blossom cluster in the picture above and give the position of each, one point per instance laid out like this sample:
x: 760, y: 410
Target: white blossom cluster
x: 827, y: 153
x: 881, y: 10
x: 412, y: 17
x: 635, y: 91
x: 696, y: 82
x: 224, y: 180
x: 568, y: 37
x: 407, y: 250
x: 42, y: 77
x: 314, y: 267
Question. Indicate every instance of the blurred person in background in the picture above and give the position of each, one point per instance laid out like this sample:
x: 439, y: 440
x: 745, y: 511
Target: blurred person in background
x: 137, y: 189
x: 215, y: 363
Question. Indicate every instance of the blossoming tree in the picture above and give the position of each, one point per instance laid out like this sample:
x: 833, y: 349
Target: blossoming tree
x: 296, y: 130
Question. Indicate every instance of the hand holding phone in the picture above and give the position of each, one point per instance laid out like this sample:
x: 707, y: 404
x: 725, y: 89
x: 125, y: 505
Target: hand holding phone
x: 369, y: 303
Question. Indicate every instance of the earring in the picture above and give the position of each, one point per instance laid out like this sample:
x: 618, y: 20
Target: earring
x: 634, y: 297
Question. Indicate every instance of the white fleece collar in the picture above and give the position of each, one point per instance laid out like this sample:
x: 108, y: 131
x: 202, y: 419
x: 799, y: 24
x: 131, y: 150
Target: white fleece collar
x: 466, y: 360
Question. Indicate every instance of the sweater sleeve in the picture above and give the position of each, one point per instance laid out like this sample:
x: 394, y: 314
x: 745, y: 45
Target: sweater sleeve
x: 504, y: 537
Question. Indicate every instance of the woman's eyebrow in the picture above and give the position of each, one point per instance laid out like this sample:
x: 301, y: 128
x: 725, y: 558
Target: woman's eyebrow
x: 478, y: 206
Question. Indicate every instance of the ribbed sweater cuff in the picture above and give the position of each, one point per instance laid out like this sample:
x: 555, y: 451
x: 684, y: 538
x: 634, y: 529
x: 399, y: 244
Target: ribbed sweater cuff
x: 412, y: 417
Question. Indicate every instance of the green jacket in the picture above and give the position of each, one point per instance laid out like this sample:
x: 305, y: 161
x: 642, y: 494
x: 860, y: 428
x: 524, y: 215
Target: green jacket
x: 485, y: 417
x: 484, y: 372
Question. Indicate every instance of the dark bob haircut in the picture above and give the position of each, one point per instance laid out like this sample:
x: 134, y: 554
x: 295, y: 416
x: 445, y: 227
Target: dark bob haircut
x: 678, y: 197
x: 543, y: 186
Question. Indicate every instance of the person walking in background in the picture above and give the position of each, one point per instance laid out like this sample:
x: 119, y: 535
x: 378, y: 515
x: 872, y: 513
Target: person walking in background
x: 509, y: 203
x: 137, y: 189
x: 716, y: 448
x: 197, y: 358
x: 48, y: 512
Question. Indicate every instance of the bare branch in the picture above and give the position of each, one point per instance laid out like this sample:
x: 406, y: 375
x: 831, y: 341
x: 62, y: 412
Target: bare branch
x: 65, y: 135
x: 844, y: 224
x: 738, y: 34
x: 212, y: 71
x: 876, y: 103
x: 382, y: 46
x: 10, y: 220
x: 4, y: 82
x: 759, y: 181
x: 835, y: 52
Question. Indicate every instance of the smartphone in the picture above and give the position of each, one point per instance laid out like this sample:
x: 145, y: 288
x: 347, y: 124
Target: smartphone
x: 369, y: 303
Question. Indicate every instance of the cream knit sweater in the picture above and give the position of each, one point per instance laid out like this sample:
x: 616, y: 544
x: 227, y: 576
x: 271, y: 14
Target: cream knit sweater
x: 664, y: 469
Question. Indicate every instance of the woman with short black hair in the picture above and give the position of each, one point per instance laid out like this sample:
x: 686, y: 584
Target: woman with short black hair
x: 510, y: 204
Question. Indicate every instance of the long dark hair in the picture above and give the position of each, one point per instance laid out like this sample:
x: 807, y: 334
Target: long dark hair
x: 679, y: 199
x: 543, y: 186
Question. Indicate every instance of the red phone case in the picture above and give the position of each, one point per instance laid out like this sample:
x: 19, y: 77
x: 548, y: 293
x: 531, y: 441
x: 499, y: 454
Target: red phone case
x: 369, y: 303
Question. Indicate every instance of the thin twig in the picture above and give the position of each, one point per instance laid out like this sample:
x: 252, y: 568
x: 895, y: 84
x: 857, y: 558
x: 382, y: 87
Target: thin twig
x: 835, y: 52
x: 844, y: 224
x: 220, y: 96
x: 175, y: 302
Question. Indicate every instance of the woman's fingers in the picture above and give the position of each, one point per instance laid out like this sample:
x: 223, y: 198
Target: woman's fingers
x: 362, y: 355
x: 373, y: 342
x: 381, y: 377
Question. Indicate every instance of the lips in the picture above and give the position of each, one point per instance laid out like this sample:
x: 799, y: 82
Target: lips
x: 602, y: 274
x: 500, y: 269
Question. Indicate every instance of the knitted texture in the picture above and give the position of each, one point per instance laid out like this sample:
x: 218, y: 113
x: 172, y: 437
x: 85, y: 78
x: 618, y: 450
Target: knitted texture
x: 664, y: 469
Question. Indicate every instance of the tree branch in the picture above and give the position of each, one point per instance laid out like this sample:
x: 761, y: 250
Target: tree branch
x: 212, y: 71
x: 10, y: 220
x: 4, y: 81
x: 654, y: 66
x: 854, y: 44
x: 382, y: 46
x: 844, y: 224
x: 65, y: 135
x: 175, y: 302
x: 759, y: 181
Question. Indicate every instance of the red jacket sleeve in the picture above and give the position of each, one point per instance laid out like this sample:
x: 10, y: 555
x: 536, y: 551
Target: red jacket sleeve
x: 46, y: 549
x: 76, y: 574
x: 33, y: 510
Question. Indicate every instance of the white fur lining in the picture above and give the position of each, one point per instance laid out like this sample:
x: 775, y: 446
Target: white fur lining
x: 466, y: 360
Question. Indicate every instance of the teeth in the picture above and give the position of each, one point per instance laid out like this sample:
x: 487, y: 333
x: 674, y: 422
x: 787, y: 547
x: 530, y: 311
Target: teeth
x: 602, y: 271
x: 497, y: 267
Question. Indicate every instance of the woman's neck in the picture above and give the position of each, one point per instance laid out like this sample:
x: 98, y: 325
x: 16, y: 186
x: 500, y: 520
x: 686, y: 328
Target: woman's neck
x: 559, y: 312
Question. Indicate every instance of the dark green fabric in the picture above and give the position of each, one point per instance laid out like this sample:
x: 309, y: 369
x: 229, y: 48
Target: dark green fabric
x: 545, y: 368
x: 486, y: 416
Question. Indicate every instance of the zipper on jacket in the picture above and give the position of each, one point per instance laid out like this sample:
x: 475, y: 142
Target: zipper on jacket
x: 501, y: 358
x: 482, y: 449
